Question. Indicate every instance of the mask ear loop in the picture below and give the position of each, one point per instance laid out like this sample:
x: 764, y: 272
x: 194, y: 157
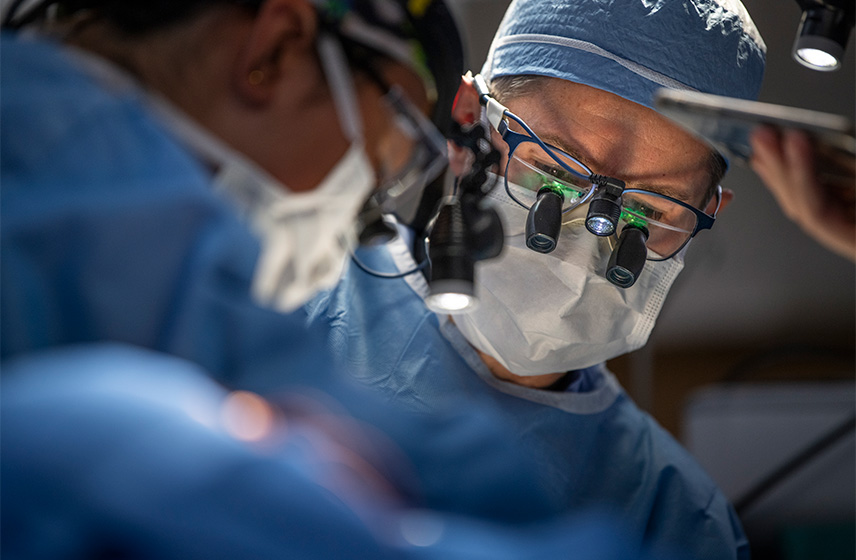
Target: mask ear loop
x: 342, y: 88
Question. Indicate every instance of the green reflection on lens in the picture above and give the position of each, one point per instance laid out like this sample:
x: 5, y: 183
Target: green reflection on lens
x: 633, y: 219
x: 561, y: 189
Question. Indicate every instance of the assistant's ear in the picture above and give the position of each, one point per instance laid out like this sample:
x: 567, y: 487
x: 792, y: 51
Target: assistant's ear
x: 727, y: 197
x: 282, y: 34
x: 465, y: 110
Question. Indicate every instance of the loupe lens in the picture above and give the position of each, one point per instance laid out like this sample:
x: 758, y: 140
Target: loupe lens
x: 541, y: 243
x: 544, y: 222
x: 628, y: 258
x: 621, y: 277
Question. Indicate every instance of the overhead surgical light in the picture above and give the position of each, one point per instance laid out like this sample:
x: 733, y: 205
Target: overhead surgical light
x: 823, y: 33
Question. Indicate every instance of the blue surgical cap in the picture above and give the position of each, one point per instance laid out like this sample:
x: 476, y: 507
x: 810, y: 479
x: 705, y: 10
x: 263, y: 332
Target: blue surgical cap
x: 632, y: 47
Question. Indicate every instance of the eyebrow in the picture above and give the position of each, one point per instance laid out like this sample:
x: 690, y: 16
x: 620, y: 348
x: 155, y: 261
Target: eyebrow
x: 662, y: 189
x: 556, y: 142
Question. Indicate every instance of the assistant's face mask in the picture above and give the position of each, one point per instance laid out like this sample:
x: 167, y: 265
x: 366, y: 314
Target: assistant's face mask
x: 550, y: 313
x: 305, y: 237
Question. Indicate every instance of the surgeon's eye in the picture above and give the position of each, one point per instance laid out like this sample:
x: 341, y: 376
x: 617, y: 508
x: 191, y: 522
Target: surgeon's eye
x: 669, y: 223
x: 531, y: 168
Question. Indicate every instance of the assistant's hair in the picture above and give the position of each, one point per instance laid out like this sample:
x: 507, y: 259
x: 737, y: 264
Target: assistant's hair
x: 428, y: 23
x: 131, y: 17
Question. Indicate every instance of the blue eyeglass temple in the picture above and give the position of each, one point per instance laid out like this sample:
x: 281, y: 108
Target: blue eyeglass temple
x: 514, y: 139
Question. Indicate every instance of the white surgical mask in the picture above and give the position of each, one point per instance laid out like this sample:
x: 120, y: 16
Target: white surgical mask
x: 550, y: 313
x: 305, y: 237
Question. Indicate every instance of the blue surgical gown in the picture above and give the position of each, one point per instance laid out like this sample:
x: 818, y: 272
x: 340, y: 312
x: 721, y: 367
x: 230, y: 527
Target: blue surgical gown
x: 592, y: 444
x: 112, y: 451
x: 111, y: 232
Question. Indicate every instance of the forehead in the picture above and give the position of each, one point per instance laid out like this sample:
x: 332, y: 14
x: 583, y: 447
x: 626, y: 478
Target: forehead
x: 617, y: 137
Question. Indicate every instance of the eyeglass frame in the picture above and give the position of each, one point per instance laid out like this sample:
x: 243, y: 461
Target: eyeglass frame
x: 398, y: 101
x: 514, y: 139
x: 428, y: 135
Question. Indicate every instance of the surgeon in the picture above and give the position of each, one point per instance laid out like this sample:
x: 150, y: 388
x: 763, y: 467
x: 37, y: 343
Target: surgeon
x: 568, y: 98
x: 176, y: 177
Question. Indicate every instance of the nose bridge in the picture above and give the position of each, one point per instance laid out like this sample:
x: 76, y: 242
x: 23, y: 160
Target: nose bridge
x: 580, y: 247
x: 580, y: 208
x: 578, y: 212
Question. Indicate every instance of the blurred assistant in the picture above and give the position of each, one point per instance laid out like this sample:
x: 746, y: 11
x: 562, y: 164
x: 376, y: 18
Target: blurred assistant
x: 112, y: 450
x: 357, y: 113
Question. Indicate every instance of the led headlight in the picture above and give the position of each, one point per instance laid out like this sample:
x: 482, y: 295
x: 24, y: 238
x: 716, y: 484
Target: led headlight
x: 822, y: 35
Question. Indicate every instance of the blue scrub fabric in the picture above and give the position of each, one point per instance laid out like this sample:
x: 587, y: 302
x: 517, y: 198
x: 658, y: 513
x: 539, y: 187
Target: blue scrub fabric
x: 711, y: 46
x: 593, y: 447
x: 111, y: 451
x: 110, y: 232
